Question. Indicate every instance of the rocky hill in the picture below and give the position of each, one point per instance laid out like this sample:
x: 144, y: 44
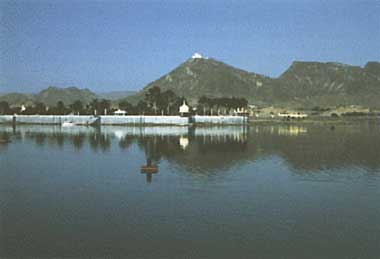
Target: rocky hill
x: 50, y: 96
x: 200, y: 76
x: 304, y: 84
x: 17, y: 99
x: 314, y: 83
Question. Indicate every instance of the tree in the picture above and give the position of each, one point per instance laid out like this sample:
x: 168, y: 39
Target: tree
x: 166, y: 102
x: 4, y: 107
x: 227, y: 103
x: 60, y: 108
x: 105, y: 106
x: 243, y: 103
x: 125, y: 105
x: 152, y: 97
x: 93, y: 107
x: 142, y: 107
x: 77, y: 107
x: 99, y: 107
x: 204, y: 104
x: 40, y: 108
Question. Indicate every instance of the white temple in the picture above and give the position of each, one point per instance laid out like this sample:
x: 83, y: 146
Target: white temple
x: 120, y: 112
x: 196, y: 55
x: 184, y: 109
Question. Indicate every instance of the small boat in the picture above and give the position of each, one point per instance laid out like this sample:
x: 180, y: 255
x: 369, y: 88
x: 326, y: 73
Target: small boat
x: 68, y: 124
x: 149, y: 168
x: 153, y: 169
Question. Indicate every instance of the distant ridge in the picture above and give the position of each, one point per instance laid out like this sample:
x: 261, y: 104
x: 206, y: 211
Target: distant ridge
x: 68, y: 95
x: 303, y: 84
x: 316, y: 83
x: 17, y: 99
x: 50, y: 96
x: 206, y: 76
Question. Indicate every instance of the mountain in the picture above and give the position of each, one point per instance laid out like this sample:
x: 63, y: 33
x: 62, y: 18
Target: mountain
x: 373, y: 69
x: 201, y: 76
x: 315, y: 83
x: 114, y: 95
x: 52, y: 95
x: 17, y: 99
x: 303, y: 84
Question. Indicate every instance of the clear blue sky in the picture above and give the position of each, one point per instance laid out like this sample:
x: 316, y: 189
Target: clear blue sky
x: 122, y: 45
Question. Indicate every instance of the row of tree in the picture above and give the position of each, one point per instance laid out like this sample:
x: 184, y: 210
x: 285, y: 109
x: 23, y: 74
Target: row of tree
x: 224, y: 105
x: 99, y: 107
x: 155, y: 102
x: 167, y: 103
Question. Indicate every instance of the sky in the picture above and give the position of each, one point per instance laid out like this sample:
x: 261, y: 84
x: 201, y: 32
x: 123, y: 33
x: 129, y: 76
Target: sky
x: 123, y: 45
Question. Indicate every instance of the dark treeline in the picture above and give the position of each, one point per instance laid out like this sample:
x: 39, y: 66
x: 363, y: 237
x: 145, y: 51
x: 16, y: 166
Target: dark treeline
x: 155, y: 102
x: 97, y: 107
x: 225, y: 105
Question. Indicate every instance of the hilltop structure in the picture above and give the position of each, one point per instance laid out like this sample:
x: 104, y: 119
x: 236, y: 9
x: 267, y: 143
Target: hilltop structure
x: 196, y: 55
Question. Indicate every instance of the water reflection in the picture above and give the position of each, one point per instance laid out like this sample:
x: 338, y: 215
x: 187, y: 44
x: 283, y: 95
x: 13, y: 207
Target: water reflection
x: 291, y: 130
x: 61, y: 187
x: 303, y: 147
x: 149, y: 169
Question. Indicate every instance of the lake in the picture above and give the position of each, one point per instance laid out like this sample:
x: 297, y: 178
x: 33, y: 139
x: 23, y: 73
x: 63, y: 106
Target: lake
x: 263, y: 191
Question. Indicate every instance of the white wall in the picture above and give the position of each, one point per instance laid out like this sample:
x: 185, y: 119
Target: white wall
x: 126, y: 120
x: 227, y: 120
x: 137, y: 119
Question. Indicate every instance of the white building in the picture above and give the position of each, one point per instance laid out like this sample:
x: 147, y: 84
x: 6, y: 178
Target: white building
x: 196, y: 55
x: 120, y: 112
x: 184, y: 109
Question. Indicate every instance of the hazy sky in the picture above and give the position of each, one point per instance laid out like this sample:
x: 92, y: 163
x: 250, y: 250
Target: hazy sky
x: 122, y: 45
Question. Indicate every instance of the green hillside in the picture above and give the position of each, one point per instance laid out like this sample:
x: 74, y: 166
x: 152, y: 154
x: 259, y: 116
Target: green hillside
x: 17, y: 99
x: 52, y: 95
x: 304, y: 84
x: 209, y: 77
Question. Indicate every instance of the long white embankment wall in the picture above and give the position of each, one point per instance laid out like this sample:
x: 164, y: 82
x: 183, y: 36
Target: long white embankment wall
x: 6, y: 119
x: 47, y: 119
x: 227, y: 120
x: 123, y: 120
x: 143, y: 120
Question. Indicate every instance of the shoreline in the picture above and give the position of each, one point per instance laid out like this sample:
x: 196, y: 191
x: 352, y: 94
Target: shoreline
x: 147, y: 120
x: 315, y: 120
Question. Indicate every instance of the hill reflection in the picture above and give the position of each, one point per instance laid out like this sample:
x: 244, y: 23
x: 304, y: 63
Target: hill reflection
x: 305, y: 148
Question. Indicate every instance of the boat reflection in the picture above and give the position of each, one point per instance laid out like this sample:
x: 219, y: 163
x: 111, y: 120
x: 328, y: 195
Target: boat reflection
x: 149, y: 169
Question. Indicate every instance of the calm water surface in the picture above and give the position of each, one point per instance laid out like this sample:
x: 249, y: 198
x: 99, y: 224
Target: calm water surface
x: 269, y: 191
